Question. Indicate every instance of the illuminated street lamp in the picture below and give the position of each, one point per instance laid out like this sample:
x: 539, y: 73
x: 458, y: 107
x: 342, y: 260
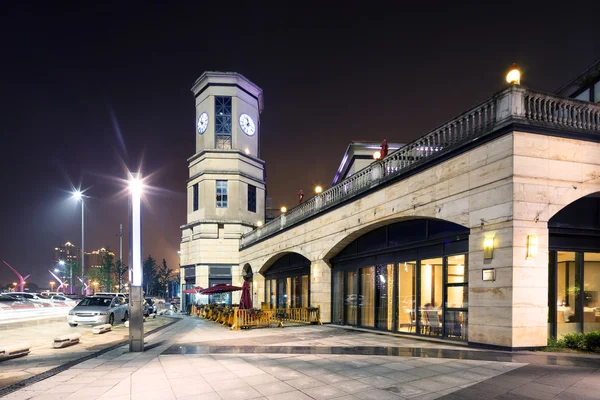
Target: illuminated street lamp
x: 52, y: 283
x: 136, y: 322
x: 283, y: 209
x: 79, y: 196
x: 318, y: 189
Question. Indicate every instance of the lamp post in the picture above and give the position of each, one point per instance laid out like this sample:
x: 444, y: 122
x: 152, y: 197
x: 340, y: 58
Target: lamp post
x: 136, y: 322
x: 77, y: 195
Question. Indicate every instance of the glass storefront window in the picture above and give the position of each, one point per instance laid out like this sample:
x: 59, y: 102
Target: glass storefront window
x: 352, y: 298
x: 457, y: 296
x: 431, y: 296
x: 384, y: 296
x: 337, y: 312
x: 591, y: 289
x: 567, y: 319
x: 366, y: 300
x: 288, y: 293
x: 407, y: 320
x: 456, y: 269
x: 305, y: 299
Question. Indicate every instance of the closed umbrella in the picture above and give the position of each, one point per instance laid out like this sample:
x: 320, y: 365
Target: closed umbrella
x: 246, y: 300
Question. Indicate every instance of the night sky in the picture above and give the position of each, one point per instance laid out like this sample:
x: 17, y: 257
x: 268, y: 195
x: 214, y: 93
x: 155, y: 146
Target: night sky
x: 88, y: 91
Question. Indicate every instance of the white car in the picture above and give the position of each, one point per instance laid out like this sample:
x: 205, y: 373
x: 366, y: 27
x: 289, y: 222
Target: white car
x: 32, y: 297
x: 59, y: 300
x: 95, y: 310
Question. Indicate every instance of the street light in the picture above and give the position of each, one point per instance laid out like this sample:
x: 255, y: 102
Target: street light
x: 318, y: 189
x: 52, y: 283
x: 95, y: 285
x: 78, y: 195
x: 136, y: 321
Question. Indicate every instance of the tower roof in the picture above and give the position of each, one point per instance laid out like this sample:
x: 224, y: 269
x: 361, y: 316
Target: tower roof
x: 218, y: 78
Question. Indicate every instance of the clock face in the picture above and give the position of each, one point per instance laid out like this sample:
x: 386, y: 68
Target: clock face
x: 247, y: 124
x: 202, y: 123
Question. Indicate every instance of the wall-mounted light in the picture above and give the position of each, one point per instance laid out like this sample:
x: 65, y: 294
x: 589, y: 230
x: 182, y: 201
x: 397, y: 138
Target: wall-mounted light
x: 376, y: 155
x: 532, y: 246
x: 283, y: 209
x: 259, y: 223
x: 247, y: 150
x: 514, y: 75
x: 318, y: 189
x: 488, y: 248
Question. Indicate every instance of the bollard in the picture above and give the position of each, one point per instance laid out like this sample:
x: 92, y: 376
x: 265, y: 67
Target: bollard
x: 102, y: 328
x: 9, y: 352
x: 66, y: 340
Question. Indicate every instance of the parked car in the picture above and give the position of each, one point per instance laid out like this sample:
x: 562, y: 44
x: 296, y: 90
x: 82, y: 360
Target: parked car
x: 94, y: 310
x: 11, y: 303
x: 63, y: 300
x: 123, y: 295
x: 33, y: 297
x: 152, y: 306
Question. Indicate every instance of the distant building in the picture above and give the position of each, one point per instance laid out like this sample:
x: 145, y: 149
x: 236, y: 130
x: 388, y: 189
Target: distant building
x: 358, y: 155
x: 68, y: 253
x: 94, y: 259
x: 586, y: 86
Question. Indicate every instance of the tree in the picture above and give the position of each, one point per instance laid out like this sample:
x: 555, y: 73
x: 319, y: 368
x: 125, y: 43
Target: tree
x: 163, y: 276
x: 149, y: 274
x: 106, y: 270
x: 120, y: 271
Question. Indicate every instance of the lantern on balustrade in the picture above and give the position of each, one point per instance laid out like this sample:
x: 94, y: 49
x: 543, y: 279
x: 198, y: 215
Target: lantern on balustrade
x: 514, y: 75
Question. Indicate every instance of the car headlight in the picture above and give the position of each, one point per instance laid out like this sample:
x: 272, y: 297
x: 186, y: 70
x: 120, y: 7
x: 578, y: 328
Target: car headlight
x: 102, y: 313
x: 71, y: 312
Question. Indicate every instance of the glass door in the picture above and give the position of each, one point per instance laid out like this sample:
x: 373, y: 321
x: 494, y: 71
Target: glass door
x: 457, y: 297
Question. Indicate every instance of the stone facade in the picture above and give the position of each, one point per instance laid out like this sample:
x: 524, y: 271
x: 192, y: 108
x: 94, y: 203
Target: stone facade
x: 507, y: 189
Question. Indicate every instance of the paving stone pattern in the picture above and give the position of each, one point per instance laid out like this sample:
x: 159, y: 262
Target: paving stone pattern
x: 215, y: 370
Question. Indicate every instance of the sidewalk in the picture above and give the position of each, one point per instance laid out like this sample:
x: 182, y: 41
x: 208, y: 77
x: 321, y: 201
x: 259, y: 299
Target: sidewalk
x: 199, y: 359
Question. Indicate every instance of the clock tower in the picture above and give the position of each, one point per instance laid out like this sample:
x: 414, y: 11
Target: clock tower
x: 226, y: 184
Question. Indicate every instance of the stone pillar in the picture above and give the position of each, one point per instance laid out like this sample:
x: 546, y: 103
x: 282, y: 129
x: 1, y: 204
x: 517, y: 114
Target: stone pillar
x: 258, y: 289
x: 320, y: 288
x: 512, y: 310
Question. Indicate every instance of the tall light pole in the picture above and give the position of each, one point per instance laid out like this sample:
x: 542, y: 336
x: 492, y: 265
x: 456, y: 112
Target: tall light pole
x: 136, y: 322
x: 77, y: 195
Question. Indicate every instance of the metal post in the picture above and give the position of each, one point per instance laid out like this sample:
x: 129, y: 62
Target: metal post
x: 136, y: 322
x: 82, y: 250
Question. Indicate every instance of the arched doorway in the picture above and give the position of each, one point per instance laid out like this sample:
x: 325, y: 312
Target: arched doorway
x: 287, y: 282
x: 574, y: 268
x: 409, y: 276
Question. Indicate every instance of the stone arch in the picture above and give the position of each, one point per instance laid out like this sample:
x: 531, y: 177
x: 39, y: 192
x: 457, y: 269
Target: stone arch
x: 352, y: 235
x: 583, y: 213
x: 275, y: 257
x: 570, y: 197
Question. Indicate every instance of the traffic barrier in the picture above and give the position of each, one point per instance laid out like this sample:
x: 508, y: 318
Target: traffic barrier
x: 14, y: 351
x: 102, y: 328
x: 66, y: 340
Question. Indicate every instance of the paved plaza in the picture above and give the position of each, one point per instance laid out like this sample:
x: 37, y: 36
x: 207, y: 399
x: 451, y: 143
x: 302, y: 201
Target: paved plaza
x: 195, y: 358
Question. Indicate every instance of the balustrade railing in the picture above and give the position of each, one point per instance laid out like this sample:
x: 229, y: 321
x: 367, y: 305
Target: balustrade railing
x: 516, y: 103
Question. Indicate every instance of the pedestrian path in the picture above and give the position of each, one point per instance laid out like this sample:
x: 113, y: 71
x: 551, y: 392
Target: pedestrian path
x: 199, y: 359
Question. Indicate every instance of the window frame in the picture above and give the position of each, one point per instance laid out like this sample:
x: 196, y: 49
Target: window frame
x: 251, y: 198
x: 222, y: 191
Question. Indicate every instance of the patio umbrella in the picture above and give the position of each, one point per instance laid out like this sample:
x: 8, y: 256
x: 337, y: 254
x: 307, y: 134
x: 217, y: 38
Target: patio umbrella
x: 220, y: 288
x: 193, y: 290
x: 246, y: 300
